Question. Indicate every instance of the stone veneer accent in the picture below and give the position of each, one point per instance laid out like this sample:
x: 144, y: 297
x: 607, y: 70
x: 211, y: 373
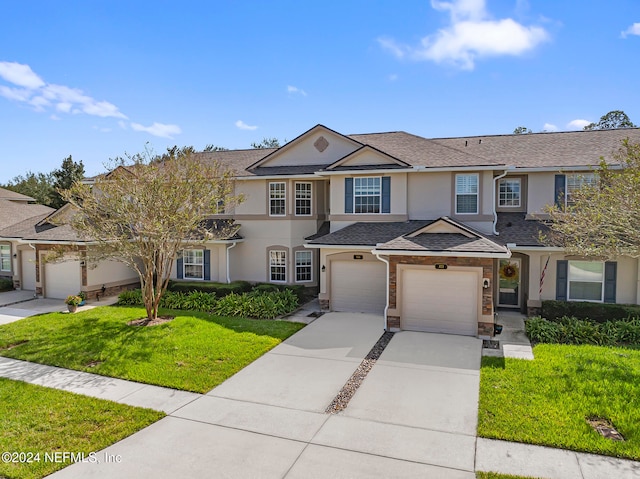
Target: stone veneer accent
x: 487, y: 272
x: 324, y: 304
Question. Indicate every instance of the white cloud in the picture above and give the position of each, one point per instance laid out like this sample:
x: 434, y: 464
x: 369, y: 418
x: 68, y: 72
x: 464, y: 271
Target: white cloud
x: 471, y: 35
x: 158, y: 129
x: 17, y: 94
x: 123, y: 125
x: 577, y: 124
x: 243, y: 126
x: 293, y: 89
x: 55, y: 117
x: 549, y: 127
x: 632, y: 30
x: 20, y: 75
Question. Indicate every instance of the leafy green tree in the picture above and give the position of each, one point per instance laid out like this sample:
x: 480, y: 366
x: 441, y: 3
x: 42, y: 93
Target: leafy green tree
x: 38, y: 186
x: 211, y: 147
x: 521, y: 130
x: 612, y: 120
x: 63, y: 178
x: 146, y: 209
x: 266, y: 143
x: 603, y: 219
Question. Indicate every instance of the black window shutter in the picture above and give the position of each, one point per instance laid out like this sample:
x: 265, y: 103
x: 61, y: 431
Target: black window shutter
x: 179, y: 267
x: 348, y: 195
x: 610, y: 277
x: 386, y: 194
x: 562, y: 277
x: 207, y: 265
x: 560, y: 191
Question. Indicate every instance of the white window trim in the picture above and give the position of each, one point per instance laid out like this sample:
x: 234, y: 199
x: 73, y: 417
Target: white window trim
x: 585, y: 175
x: 185, y: 264
x: 271, y: 265
x: 278, y: 199
x: 310, y: 266
x: 519, y: 205
x: 569, y: 298
x: 7, y: 256
x: 477, y: 175
x: 354, y: 194
x: 295, y: 205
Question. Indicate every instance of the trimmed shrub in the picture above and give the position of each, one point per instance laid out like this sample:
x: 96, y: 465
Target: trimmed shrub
x: 257, y: 304
x: 6, y: 284
x: 571, y: 330
x: 219, y: 289
x: 599, y: 312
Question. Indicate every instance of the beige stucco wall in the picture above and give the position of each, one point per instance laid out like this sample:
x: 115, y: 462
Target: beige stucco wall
x: 109, y: 272
x: 541, y: 188
x: 368, y: 157
x: 304, y: 153
x: 255, y: 197
x: 429, y: 195
x: 218, y: 262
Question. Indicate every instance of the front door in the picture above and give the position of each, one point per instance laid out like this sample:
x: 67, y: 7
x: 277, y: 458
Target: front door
x: 509, y: 283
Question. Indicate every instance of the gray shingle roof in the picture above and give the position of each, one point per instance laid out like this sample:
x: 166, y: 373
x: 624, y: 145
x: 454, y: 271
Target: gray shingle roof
x: 515, y: 228
x: 370, y: 234
x: 12, y: 212
x: 13, y: 196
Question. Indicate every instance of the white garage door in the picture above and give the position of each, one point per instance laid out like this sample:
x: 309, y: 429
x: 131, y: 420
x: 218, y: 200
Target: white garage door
x: 358, y: 286
x: 440, y: 301
x: 62, y: 279
x: 28, y: 269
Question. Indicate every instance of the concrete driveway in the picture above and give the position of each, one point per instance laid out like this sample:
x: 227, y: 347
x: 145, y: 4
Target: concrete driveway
x: 413, y: 416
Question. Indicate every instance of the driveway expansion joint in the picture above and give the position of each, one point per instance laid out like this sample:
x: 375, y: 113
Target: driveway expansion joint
x: 341, y: 401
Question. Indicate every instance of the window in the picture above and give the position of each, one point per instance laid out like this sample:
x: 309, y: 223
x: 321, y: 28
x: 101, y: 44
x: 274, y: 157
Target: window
x: 467, y: 194
x: 278, y: 266
x: 5, y: 257
x: 303, y: 199
x: 277, y: 199
x: 193, y: 264
x: 586, y: 280
x: 303, y: 266
x: 367, y: 195
x: 576, y: 181
x: 509, y: 192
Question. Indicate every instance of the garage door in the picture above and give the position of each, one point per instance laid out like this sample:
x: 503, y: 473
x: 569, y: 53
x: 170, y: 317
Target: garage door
x: 62, y: 279
x: 440, y: 301
x: 358, y: 286
x: 28, y: 269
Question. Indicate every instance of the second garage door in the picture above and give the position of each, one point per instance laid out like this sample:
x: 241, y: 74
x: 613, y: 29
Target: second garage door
x: 358, y: 286
x: 440, y: 301
x: 62, y: 279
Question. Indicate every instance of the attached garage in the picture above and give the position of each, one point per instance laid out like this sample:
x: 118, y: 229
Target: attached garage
x: 62, y: 279
x: 441, y: 301
x: 28, y: 270
x: 358, y: 286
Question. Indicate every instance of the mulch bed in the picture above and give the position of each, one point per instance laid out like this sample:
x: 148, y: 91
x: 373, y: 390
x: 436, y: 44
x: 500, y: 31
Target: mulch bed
x: 147, y: 322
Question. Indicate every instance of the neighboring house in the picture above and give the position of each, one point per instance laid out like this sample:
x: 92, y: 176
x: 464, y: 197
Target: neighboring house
x: 17, y: 261
x: 434, y: 234
x: 31, y: 241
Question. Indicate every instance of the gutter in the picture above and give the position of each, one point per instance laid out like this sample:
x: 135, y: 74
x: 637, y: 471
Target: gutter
x: 386, y: 304
x: 233, y: 245
x: 446, y: 254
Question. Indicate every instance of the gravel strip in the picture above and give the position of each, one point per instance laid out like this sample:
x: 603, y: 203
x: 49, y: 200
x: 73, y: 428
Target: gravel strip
x: 341, y: 401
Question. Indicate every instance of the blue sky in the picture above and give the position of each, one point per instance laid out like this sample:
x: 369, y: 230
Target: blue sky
x: 95, y: 79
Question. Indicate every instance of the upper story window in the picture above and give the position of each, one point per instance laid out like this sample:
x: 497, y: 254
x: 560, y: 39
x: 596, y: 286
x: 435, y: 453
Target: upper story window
x: 575, y: 181
x: 467, y: 193
x: 5, y: 257
x: 193, y: 264
x: 277, y: 199
x: 586, y: 281
x: 367, y: 195
x: 303, y: 199
x: 509, y: 192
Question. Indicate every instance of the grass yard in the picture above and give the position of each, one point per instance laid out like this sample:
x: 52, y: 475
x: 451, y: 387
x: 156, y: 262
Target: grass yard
x: 193, y: 352
x: 547, y: 401
x: 35, y: 419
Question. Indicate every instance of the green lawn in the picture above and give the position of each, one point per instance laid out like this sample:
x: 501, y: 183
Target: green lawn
x: 194, y: 352
x: 35, y: 420
x: 547, y: 401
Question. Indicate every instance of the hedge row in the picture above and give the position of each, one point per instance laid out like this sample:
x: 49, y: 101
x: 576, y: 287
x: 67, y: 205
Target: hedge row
x: 255, y: 304
x: 237, y: 287
x: 598, y: 312
x: 6, y: 284
x: 572, y: 330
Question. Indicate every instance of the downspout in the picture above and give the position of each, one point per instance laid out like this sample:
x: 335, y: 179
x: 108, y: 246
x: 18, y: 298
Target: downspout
x: 228, y: 248
x: 386, y: 304
x: 495, y: 213
x: 35, y: 295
